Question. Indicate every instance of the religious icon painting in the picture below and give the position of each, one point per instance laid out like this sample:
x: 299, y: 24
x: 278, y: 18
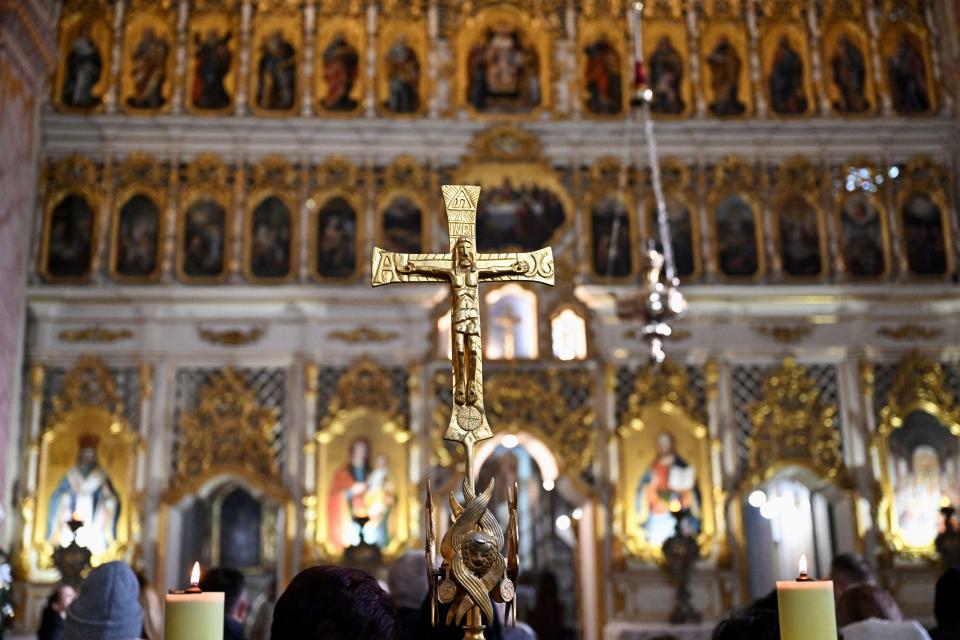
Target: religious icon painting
x: 85, y: 43
x: 602, y: 68
x: 786, y: 64
x: 799, y: 236
x: 339, y: 67
x: 725, y: 69
x: 212, y: 62
x: 665, y: 468
x: 148, y: 58
x: 69, y: 238
x: 204, y: 223
x: 402, y: 225
x: 337, y: 238
x: 271, y: 233
x: 847, y: 69
x: 86, y: 469
x: 520, y: 215
x: 612, y: 237
x: 666, y: 51
x: 737, y: 236
x: 401, y: 75
x: 502, y: 57
x: 864, y: 241
x: 919, y: 442
x: 363, y: 489
x: 684, y: 233
x: 907, y: 69
x: 138, y: 228
x: 926, y: 233
x: 274, y: 86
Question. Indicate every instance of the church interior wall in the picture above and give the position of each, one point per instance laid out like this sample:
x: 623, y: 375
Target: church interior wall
x: 820, y: 258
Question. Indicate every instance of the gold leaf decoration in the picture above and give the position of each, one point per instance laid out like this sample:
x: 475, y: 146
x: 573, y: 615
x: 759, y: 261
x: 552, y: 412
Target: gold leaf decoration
x: 231, y: 337
x: 363, y: 334
x: 910, y: 332
x: 365, y: 384
x: 94, y: 334
x: 785, y: 334
x: 228, y: 430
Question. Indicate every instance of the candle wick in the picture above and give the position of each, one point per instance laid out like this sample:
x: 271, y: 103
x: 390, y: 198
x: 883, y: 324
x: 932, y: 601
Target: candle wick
x: 804, y: 577
x: 193, y: 588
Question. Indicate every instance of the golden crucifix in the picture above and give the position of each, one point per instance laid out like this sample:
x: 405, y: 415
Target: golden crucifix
x: 473, y: 571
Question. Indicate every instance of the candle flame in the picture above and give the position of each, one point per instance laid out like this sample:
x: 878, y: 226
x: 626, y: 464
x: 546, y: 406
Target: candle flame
x: 675, y: 506
x: 803, y: 564
x: 75, y: 516
x: 195, y: 574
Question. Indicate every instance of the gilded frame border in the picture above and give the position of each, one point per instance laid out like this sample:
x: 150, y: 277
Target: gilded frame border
x: 853, y: 30
x: 591, y: 31
x: 415, y: 32
x: 97, y: 16
x: 322, y: 199
x: 62, y: 189
x: 798, y: 178
x: 678, y: 194
x: 355, y: 33
x: 288, y: 22
x: 159, y: 197
x: 713, y: 31
x: 877, y: 204
x: 200, y: 187
x: 254, y: 199
x: 628, y: 202
x: 158, y: 17
x: 797, y: 36
x: 888, y: 36
x: 537, y: 34
x: 224, y: 21
x: 933, y: 190
x: 676, y: 30
x: 409, y: 192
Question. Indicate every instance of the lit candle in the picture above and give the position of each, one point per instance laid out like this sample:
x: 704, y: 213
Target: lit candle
x: 193, y: 614
x: 806, y: 607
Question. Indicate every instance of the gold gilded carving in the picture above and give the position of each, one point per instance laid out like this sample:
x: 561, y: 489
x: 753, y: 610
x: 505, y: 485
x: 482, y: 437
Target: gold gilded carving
x: 846, y: 48
x: 862, y: 215
x: 725, y: 61
x: 730, y: 207
x: 340, y: 66
x: 922, y: 203
x: 275, y: 84
x: 365, y: 385
x: 88, y: 415
x: 520, y: 402
x: 403, y: 84
x: 683, y: 215
x: 464, y: 270
x: 228, y: 431
x: 404, y: 179
x: 784, y: 51
x: 602, y: 51
x: 362, y: 335
x: 337, y: 229
x: 662, y: 417
x: 919, y: 386
x: 797, y: 215
x: 910, y: 332
x: 94, y: 334
x: 231, y: 337
x: 505, y: 142
x: 791, y: 425
x: 609, y: 203
x: 908, y: 71
x: 212, y: 57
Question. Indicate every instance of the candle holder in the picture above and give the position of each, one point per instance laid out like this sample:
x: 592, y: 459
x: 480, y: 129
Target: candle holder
x: 363, y: 555
x: 73, y: 560
x: 681, y: 552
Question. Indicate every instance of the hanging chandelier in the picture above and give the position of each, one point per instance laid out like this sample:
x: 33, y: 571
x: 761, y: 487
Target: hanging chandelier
x: 657, y: 301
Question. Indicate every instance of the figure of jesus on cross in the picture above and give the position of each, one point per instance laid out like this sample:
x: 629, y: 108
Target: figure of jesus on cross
x: 464, y: 269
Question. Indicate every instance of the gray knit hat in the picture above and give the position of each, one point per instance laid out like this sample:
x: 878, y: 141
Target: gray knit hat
x: 107, y: 607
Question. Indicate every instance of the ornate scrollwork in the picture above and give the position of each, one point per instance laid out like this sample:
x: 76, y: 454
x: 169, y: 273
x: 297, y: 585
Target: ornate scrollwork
x: 363, y: 334
x: 667, y: 382
x: 918, y: 385
x: 231, y: 337
x: 785, y: 334
x: 229, y: 430
x: 365, y: 384
x: 506, y: 142
x: 910, y: 332
x: 519, y: 402
x: 88, y: 383
x: 94, y: 334
x: 792, y: 425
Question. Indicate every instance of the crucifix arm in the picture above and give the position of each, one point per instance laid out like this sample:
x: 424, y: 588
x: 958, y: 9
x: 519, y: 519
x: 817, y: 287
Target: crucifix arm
x: 389, y: 267
x: 535, y: 266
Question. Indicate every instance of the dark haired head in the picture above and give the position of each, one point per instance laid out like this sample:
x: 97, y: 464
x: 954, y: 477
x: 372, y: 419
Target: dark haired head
x: 864, y: 601
x: 334, y: 603
x: 848, y: 569
x: 945, y: 601
x: 751, y: 624
x: 231, y: 582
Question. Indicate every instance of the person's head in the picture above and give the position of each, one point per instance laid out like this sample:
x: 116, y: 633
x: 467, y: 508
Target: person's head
x: 751, y: 624
x: 234, y: 588
x: 665, y: 443
x: 945, y: 608
x: 61, y: 598
x: 465, y: 254
x: 849, y: 569
x: 360, y: 453
x: 107, y: 607
x: 87, y: 454
x: 864, y: 601
x: 334, y: 603
x: 407, y: 580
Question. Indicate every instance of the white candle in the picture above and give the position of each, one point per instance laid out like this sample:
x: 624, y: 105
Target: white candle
x: 806, y: 607
x: 193, y: 614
